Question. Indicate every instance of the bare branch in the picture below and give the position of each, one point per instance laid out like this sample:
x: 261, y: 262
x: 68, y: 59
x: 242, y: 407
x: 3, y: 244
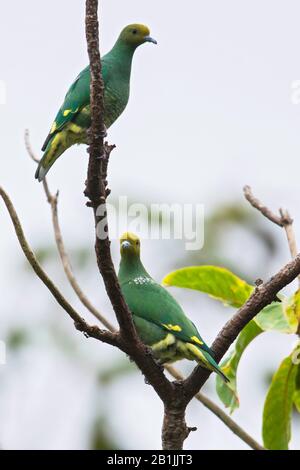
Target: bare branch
x: 97, y: 192
x: 284, y: 220
x: 97, y: 169
x: 263, y: 295
x: 80, y: 323
x: 29, y: 148
x: 68, y: 270
x: 290, y: 234
x: 53, y: 201
x: 264, y: 210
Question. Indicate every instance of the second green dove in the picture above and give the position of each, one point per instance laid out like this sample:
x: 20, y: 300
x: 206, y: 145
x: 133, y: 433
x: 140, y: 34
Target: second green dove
x: 159, y: 320
x: 73, y: 119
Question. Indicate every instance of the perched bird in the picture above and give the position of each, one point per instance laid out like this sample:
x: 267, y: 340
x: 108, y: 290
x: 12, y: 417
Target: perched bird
x: 159, y: 320
x: 74, y: 117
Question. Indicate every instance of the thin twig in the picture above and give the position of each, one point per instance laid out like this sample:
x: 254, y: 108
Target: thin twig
x: 68, y: 270
x: 284, y: 220
x: 53, y: 201
x: 257, y: 204
x: 290, y: 233
x: 29, y: 148
x: 80, y: 323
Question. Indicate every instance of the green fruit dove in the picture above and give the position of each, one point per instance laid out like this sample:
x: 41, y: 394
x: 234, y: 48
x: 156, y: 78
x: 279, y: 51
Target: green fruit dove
x: 74, y: 118
x: 159, y: 320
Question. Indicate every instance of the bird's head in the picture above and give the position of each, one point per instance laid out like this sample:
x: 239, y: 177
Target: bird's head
x: 130, y: 244
x: 136, y: 34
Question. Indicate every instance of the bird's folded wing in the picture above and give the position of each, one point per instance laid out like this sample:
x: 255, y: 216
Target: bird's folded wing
x: 76, y: 99
x: 156, y: 305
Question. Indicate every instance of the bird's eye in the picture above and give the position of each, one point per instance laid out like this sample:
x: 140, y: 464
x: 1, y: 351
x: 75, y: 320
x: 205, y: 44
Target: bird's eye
x: 134, y: 31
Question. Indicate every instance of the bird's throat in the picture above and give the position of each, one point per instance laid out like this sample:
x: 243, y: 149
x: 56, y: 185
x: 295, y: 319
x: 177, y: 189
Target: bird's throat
x: 131, y: 267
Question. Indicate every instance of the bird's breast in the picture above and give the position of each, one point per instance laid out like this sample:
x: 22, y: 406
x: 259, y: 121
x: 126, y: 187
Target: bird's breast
x: 115, y: 101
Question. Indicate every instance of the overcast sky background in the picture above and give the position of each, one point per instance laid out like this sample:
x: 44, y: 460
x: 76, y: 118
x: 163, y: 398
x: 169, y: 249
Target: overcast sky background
x: 210, y: 110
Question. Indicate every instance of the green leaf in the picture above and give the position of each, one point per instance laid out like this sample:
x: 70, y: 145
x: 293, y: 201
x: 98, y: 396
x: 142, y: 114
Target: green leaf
x: 228, y: 391
x: 292, y: 311
x: 296, y: 359
x: 225, y: 286
x: 278, y: 407
x: 217, y: 282
x: 275, y: 317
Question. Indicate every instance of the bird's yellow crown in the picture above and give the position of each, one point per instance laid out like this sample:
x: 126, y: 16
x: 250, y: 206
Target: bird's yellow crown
x: 130, y: 243
x: 136, y: 34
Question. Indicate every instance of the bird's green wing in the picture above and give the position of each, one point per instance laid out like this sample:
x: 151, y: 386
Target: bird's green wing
x: 150, y: 301
x: 77, y: 97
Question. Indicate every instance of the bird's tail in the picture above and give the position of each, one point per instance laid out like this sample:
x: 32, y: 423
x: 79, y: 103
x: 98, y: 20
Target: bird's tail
x: 54, y: 149
x: 205, y: 359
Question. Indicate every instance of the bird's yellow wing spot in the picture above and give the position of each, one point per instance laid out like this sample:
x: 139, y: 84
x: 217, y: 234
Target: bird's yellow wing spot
x: 196, y: 340
x: 68, y: 111
x: 74, y: 128
x: 172, y: 327
x: 53, y: 128
x: 197, y: 355
x: 164, y: 343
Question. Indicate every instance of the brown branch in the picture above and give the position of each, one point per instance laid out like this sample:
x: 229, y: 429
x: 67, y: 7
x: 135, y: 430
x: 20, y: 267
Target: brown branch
x: 96, y: 180
x: 283, y: 220
x: 217, y: 411
x: 80, y: 323
x: 97, y: 192
x: 53, y: 202
x: 263, y: 295
x: 68, y: 270
x: 290, y: 233
x: 175, y: 430
x: 257, y: 204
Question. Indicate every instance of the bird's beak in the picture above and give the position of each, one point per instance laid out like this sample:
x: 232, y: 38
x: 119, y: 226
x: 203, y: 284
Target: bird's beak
x: 125, y: 244
x: 150, y: 39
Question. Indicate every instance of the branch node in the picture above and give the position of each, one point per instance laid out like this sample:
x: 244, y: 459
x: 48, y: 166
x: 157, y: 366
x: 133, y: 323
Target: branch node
x: 286, y: 219
x: 191, y: 429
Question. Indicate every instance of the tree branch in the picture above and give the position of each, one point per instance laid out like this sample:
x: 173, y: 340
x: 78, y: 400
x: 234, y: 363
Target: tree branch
x: 263, y: 295
x: 283, y: 220
x: 217, y: 411
x: 96, y: 181
x: 53, y: 202
x: 264, y: 210
x: 97, y: 192
x: 80, y: 323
